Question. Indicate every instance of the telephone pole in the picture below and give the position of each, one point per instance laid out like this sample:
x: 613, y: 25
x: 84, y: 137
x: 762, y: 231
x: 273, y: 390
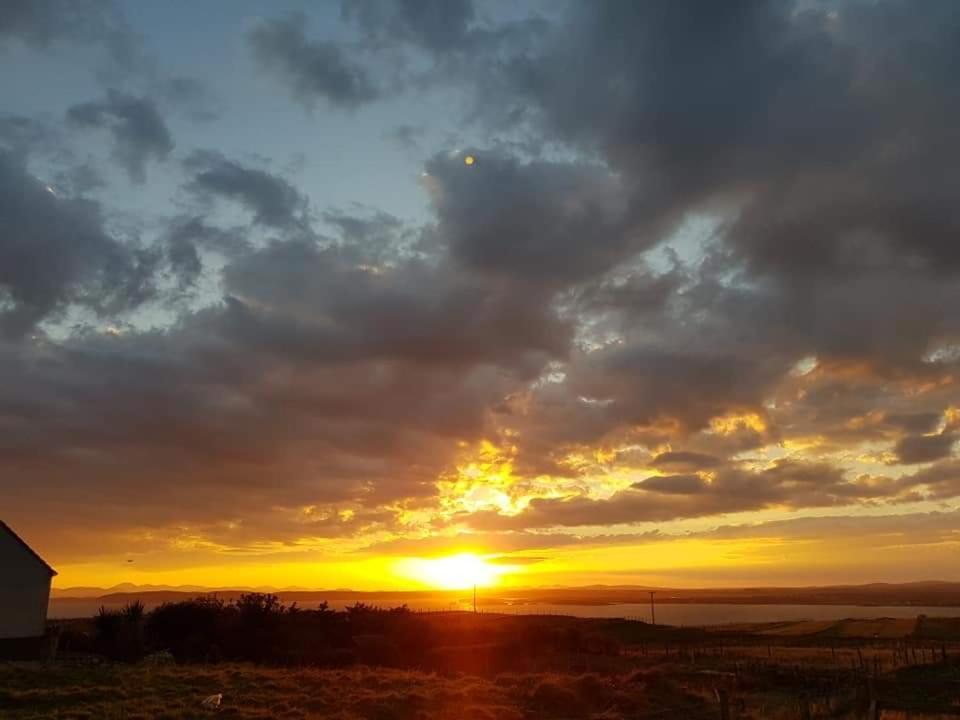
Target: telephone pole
x: 474, y: 597
x: 653, y: 615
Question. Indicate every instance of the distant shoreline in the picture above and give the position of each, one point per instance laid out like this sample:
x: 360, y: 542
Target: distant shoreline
x: 928, y: 594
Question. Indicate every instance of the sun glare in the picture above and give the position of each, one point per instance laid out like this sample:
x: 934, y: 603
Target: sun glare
x: 455, y: 572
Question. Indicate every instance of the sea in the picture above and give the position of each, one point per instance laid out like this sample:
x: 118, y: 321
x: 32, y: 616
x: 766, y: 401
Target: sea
x: 678, y: 614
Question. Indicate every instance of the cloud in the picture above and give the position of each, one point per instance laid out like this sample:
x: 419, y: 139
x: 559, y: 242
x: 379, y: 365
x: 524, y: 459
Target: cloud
x: 183, y: 257
x: 793, y: 114
x: 917, y: 422
x: 327, y: 377
x: 405, y: 135
x: 22, y: 135
x: 529, y: 220
x: 272, y: 200
x: 516, y: 560
x: 41, y: 23
x: 55, y: 252
x: 942, y: 479
x: 496, y: 542
x: 338, y: 303
x: 436, y: 25
x: 914, y: 449
x: 684, y: 461
x: 723, y: 260
x: 189, y: 239
x: 312, y: 69
x: 673, y: 484
x: 379, y: 230
x: 189, y: 95
x: 786, y: 484
x: 139, y: 131
x: 911, y: 528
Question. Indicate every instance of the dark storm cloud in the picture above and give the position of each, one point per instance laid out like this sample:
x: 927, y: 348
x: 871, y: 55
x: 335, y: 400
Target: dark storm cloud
x: 313, y: 69
x: 272, y: 200
x: 55, y: 251
x: 139, y: 131
x: 915, y: 449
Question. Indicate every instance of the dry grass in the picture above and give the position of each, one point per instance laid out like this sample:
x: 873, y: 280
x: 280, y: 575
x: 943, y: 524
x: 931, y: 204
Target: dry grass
x: 117, y: 692
x: 889, y: 628
x: 651, y: 673
x: 804, y: 627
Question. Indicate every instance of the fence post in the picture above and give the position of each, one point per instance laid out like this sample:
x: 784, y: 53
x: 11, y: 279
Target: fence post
x: 873, y: 710
x: 724, y: 699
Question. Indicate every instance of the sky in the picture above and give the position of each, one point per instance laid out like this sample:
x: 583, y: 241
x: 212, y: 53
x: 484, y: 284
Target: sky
x: 689, y: 317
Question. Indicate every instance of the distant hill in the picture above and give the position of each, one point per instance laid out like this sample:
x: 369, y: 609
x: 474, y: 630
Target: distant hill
x: 131, y: 588
x: 927, y: 593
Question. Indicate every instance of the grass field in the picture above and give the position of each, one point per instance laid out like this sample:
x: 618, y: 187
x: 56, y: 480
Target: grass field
x: 115, y: 692
x: 755, y: 688
x: 485, y: 667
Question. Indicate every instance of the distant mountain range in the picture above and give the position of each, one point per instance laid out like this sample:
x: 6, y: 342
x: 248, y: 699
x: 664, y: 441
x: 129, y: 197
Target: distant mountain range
x: 95, y: 592
x: 929, y: 593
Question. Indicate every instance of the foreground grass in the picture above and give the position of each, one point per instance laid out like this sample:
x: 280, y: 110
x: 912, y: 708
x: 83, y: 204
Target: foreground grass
x: 115, y: 692
x: 655, y: 688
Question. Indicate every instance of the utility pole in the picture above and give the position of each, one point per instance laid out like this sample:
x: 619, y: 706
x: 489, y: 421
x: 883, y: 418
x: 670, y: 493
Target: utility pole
x: 474, y: 597
x: 653, y: 615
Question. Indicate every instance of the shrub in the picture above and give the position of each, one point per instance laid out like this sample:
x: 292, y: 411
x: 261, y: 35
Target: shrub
x: 555, y: 699
x: 190, y: 630
x: 118, y: 634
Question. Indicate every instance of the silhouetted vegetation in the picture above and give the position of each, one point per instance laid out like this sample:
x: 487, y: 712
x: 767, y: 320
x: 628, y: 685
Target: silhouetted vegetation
x: 119, y: 633
x: 261, y: 628
x: 458, y: 664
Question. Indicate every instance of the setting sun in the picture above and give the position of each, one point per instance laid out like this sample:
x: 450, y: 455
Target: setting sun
x: 455, y: 572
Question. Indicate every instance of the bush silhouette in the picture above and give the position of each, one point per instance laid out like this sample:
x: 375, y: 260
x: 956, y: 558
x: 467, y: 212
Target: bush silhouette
x: 118, y: 634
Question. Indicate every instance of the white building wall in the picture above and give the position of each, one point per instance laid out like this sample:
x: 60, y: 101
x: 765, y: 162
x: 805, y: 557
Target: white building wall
x: 24, y: 591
